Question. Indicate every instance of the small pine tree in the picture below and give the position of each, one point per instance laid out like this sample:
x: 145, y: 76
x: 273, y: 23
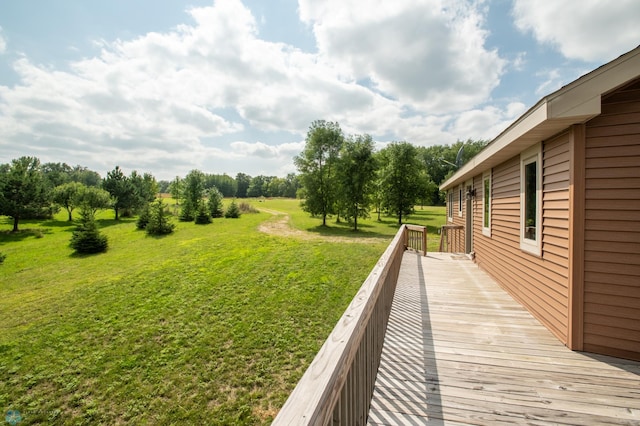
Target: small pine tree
x: 143, y: 218
x: 159, y: 219
x: 187, y: 212
x: 203, y: 217
x: 87, y: 238
x: 2, y: 258
x: 232, y: 211
x: 215, y: 202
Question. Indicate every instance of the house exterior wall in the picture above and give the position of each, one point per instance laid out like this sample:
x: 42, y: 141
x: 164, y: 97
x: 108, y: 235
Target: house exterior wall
x: 612, y: 227
x: 540, y: 283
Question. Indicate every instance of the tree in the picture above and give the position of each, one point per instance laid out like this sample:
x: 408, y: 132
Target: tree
x: 214, y: 203
x: 121, y: 189
x: 233, y: 211
x: 145, y: 189
x: 203, y: 217
x: 56, y: 174
x: 317, y: 167
x: 400, y: 176
x: 356, y: 174
x: 159, y: 219
x: 192, y: 192
x: 242, y: 183
x: 86, y: 238
x: 85, y: 176
x: 176, y: 189
x: 23, y: 190
x: 94, y: 198
x: 66, y: 195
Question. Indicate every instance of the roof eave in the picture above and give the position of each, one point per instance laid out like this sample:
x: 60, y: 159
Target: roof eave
x: 574, y: 103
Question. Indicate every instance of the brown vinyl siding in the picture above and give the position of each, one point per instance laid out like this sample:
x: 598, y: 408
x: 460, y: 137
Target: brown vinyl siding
x: 539, y: 283
x: 612, y: 227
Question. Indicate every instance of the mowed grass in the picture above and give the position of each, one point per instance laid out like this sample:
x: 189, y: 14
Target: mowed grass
x: 213, y: 324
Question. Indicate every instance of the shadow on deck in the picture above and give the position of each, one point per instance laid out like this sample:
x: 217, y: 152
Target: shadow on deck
x: 460, y: 350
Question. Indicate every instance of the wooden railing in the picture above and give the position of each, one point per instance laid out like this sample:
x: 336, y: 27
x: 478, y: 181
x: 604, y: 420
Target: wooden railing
x: 451, y: 239
x: 338, y: 385
x: 416, y: 238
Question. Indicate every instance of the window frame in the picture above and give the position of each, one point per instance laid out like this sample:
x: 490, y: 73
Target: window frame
x: 531, y: 155
x: 460, y: 198
x: 450, y: 205
x: 486, y: 203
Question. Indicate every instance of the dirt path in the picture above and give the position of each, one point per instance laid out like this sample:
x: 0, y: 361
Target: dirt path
x: 279, y: 225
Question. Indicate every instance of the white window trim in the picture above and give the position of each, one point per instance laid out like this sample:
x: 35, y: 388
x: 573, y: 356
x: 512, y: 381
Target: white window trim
x: 460, y: 198
x: 487, y: 176
x: 450, y: 205
x: 527, y: 157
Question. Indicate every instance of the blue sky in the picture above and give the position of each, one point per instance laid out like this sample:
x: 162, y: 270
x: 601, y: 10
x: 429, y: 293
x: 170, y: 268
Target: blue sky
x: 232, y: 86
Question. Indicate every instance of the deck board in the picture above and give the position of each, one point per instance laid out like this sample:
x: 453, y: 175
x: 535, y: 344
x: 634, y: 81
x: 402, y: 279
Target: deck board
x: 459, y: 350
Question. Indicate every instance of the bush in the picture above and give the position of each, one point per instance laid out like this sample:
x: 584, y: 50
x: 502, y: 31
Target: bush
x: 87, y: 238
x: 247, y: 208
x: 232, y: 211
x: 159, y: 219
x: 203, y: 217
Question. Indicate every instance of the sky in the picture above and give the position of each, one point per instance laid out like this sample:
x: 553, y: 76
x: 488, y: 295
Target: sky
x: 231, y: 86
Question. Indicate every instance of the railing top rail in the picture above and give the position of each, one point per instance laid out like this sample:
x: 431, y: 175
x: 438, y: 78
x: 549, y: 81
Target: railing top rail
x: 416, y: 228
x: 317, y: 391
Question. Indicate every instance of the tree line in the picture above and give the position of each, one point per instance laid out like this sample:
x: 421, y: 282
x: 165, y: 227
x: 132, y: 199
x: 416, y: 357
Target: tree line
x: 344, y: 176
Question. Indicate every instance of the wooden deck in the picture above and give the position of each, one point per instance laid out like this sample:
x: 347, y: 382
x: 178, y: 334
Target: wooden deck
x: 460, y: 350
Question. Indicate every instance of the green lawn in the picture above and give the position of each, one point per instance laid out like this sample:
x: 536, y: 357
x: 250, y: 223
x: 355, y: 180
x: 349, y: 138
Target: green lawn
x: 213, y: 324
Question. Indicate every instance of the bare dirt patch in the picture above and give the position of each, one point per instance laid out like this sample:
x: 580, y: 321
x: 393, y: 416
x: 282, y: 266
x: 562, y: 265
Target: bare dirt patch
x: 280, y: 225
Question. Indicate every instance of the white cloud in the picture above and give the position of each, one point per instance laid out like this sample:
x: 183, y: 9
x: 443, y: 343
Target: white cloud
x: 429, y: 53
x: 168, y: 102
x: 588, y: 30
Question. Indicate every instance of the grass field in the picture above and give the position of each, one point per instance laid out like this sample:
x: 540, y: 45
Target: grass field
x: 213, y: 324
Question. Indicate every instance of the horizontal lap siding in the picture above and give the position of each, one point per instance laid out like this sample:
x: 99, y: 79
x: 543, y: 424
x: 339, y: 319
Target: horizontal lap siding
x: 539, y: 283
x: 612, y: 229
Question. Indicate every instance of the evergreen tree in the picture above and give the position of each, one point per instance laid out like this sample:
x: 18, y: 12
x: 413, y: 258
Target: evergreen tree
x: 233, y: 211
x: 203, y: 217
x: 159, y: 219
x: 86, y: 237
x: 215, y: 203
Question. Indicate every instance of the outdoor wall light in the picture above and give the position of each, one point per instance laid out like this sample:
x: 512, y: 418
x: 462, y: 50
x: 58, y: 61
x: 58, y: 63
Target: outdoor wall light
x: 471, y: 193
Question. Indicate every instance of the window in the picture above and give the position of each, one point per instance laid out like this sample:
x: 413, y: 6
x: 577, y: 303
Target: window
x: 450, y: 205
x: 531, y: 200
x: 460, y: 198
x: 486, y: 203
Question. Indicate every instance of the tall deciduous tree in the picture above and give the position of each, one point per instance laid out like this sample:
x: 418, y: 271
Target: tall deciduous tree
x: 23, y: 189
x: 356, y: 175
x: 400, y: 177
x: 94, y: 199
x: 66, y: 195
x: 317, y: 166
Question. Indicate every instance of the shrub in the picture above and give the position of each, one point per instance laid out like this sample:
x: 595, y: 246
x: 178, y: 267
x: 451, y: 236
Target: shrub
x: 159, y: 219
x: 247, y: 208
x: 203, y: 217
x: 232, y: 211
x: 87, y: 238
x: 2, y: 258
